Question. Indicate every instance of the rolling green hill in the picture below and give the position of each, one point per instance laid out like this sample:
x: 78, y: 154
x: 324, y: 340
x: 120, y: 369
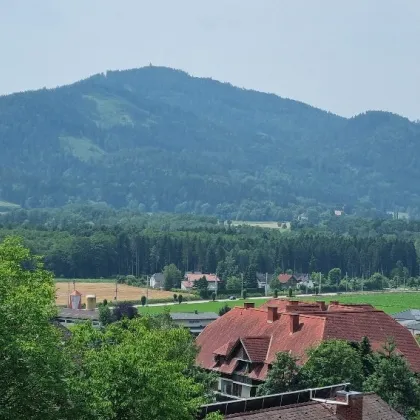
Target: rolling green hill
x: 159, y: 140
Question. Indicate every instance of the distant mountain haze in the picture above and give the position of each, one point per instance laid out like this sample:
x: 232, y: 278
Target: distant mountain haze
x: 159, y: 140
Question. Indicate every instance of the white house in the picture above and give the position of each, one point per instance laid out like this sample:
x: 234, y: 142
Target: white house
x: 157, y: 281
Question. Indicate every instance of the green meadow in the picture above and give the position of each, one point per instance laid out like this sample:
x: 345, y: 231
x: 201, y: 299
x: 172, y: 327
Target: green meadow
x: 388, y: 302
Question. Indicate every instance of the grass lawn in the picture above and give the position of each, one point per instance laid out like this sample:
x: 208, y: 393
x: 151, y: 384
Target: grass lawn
x: 390, y: 302
x: 200, y: 307
x: 387, y: 302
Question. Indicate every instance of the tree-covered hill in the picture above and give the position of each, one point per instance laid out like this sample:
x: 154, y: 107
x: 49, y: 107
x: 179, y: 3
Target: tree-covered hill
x: 159, y: 140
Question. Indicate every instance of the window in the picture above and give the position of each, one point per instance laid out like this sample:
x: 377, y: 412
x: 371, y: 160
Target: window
x: 236, y: 390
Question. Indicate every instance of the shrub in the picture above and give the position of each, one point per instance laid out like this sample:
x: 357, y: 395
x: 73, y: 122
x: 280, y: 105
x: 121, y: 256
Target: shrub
x: 143, y: 300
x: 180, y: 298
x: 224, y: 309
x: 276, y: 293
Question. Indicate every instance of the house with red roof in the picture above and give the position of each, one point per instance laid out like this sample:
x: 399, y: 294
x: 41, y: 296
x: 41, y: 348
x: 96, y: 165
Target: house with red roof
x: 287, y: 280
x: 242, y: 344
x: 191, y: 278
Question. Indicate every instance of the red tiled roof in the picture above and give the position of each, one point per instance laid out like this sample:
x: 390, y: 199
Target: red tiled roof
x: 197, y: 276
x: 350, y: 323
x: 226, y: 348
x: 256, y: 348
x: 284, y: 278
x: 282, y: 304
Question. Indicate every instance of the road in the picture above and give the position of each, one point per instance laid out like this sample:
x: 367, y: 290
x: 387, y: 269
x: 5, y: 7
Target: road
x: 194, y: 302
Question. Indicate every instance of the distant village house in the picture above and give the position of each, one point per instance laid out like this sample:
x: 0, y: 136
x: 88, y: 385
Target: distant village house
x: 191, y: 278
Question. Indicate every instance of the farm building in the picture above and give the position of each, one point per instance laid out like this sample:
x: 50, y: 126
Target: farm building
x: 191, y: 278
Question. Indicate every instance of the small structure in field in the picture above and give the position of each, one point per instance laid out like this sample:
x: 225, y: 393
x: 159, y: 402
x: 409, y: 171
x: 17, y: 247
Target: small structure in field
x: 75, y: 300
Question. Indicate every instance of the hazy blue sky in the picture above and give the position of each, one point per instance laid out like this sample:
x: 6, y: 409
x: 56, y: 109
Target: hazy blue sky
x: 345, y: 56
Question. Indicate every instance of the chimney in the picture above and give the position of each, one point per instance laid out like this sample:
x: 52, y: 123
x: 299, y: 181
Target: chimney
x: 294, y: 322
x: 322, y: 305
x: 271, y: 314
x: 353, y: 409
x: 248, y: 305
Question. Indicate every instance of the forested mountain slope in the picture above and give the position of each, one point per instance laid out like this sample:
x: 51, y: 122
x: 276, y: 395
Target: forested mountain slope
x: 159, y: 140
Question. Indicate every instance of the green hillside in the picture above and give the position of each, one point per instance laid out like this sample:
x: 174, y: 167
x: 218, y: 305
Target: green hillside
x: 159, y: 140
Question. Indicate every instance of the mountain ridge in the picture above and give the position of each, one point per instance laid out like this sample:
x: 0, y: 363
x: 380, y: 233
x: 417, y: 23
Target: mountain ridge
x: 158, y: 139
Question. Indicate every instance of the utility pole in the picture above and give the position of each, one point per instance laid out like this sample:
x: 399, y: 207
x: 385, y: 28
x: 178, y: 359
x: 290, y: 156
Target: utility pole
x: 147, y: 291
x: 266, y: 284
x: 346, y: 281
x: 216, y: 286
x: 320, y: 281
x: 242, y: 287
x: 363, y: 279
x: 116, y: 289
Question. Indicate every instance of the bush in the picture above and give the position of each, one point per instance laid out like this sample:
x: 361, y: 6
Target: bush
x: 204, y: 293
x: 213, y: 296
x: 124, y: 310
x: 224, y: 309
x: 120, y: 279
x: 143, y: 300
x: 180, y: 298
x: 244, y: 294
x: 131, y: 280
x: 175, y: 297
x: 276, y: 293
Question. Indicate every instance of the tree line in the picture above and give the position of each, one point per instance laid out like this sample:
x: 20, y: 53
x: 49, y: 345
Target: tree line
x: 106, y: 251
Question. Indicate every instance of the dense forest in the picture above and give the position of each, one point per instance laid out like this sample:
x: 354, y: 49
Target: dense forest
x: 156, y: 139
x: 91, y: 241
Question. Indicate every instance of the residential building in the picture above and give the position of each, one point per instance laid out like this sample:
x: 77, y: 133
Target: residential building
x: 242, y: 344
x: 157, y: 281
x: 191, y: 278
x: 263, y: 279
x: 68, y: 317
x: 311, y: 404
x: 410, y: 319
x: 287, y: 280
x: 194, y: 321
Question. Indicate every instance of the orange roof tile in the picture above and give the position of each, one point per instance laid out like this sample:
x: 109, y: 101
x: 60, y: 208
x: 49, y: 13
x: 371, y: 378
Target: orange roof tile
x: 263, y: 340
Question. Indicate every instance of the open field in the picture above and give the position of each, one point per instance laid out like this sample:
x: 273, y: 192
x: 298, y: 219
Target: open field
x: 106, y: 291
x: 387, y: 302
x: 7, y: 204
x: 266, y: 225
x: 390, y: 302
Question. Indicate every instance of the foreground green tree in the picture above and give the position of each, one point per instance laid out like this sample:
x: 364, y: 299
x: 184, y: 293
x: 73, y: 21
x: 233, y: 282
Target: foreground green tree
x: 105, y: 314
x: 132, y: 370
x: 284, y: 375
x: 334, y: 362
x: 32, y: 364
x: 394, y: 382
